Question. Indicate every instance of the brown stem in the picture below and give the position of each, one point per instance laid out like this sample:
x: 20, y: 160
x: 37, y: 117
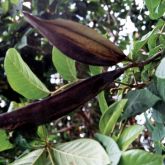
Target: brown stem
x: 141, y: 64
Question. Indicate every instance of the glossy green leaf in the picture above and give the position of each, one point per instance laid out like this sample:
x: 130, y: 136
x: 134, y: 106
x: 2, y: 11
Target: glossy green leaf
x: 140, y: 157
x: 4, y: 141
x: 80, y: 152
x: 141, y: 43
x: 160, y: 81
x: 21, y: 78
x: 64, y: 65
x: 136, y: 103
x: 111, y: 148
x: 160, y: 71
x: 128, y: 136
x: 101, y: 96
x: 162, y: 39
x: 102, y: 102
x: 156, y: 8
x: 152, y: 41
x: 156, y: 50
x: 110, y: 117
x: 36, y: 157
x: 158, y: 132
x: 161, y: 88
x: 42, y: 132
x: 158, y: 112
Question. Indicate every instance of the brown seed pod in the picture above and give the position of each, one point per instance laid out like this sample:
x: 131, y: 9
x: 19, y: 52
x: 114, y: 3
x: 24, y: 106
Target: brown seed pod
x: 59, y: 105
x: 78, y: 41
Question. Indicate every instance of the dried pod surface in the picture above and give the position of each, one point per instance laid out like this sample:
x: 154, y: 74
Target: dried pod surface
x: 59, y: 105
x: 78, y: 41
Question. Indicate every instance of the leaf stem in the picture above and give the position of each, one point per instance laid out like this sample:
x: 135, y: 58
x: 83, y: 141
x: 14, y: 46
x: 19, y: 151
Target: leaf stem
x: 141, y: 64
x: 50, y: 155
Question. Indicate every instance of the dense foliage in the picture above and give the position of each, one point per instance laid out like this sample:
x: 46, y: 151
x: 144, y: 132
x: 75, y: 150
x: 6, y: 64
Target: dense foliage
x: 51, y: 98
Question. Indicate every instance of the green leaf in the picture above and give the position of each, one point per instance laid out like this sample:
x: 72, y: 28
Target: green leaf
x: 156, y: 8
x: 160, y: 71
x: 95, y: 70
x: 42, y: 132
x: 140, y: 157
x: 161, y: 88
x: 111, y: 148
x: 160, y: 81
x: 14, y: 1
x: 152, y: 41
x: 5, y: 6
x: 157, y: 116
x: 136, y: 103
x: 21, y: 78
x: 162, y: 39
x: 4, y: 141
x: 141, y: 43
x: 128, y: 136
x: 110, y: 117
x: 64, y: 65
x: 158, y: 132
x: 33, y: 158
x: 155, y: 50
x: 102, y: 102
x: 80, y: 152
x: 158, y: 112
x: 101, y: 96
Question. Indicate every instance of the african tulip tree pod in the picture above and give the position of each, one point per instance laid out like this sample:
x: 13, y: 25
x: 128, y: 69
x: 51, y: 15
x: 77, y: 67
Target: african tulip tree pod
x: 59, y: 105
x: 78, y: 41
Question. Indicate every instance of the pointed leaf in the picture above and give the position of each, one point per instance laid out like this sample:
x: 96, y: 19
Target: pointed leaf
x: 111, y: 148
x: 78, y: 41
x: 101, y: 96
x: 33, y: 158
x: 102, y: 102
x: 4, y: 141
x: 128, y: 136
x: 156, y: 8
x: 59, y: 105
x: 141, y: 43
x: 136, y: 103
x: 140, y: 157
x: 110, y: 117
x: 21, y: 78
x: 80, y: 152
x: 64, y: 65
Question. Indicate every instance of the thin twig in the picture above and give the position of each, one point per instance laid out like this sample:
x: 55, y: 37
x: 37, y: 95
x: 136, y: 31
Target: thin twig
x: 141, y: 64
